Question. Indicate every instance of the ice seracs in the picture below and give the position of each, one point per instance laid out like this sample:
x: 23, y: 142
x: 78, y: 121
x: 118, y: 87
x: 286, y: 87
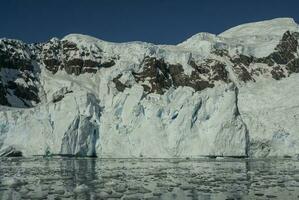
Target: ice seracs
x: 232, y: 94
x: 270, y: 111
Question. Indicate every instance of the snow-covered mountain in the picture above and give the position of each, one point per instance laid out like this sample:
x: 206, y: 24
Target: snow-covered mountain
x: 232, y: 94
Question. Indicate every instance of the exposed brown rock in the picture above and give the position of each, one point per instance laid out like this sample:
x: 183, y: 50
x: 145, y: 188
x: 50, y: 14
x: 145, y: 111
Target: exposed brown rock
x: 293, y: 66
x: 213, y: 69
x: 161, y: 76
x: 52, y: 64
x: 74, y: 62
x: 181, y: 79
x: 58, y: 55
x: 155, y: 75
x: 107, y: 64
x: 74, y: 66
x: 242, y: 73
x: 220, y: 52
x: 287, y: 46
x: 242, y: 59
x: 284, y: 51
x: 118, y: 84
x: 68, y: 45
x: 219, y: 73
x: 199, y: 68
x: 90, y: 64
x: 156, y: 72
x: 277, y: 73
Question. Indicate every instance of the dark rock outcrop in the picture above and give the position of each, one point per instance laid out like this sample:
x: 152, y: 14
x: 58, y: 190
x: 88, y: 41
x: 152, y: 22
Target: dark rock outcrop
x: 277, y: 73
x: 281, y: 62
x: 161, y: 75
x: 285, y: 49
x: 155, y: 75
x: 60, y: 94
x: 18, y: 75
x: 15, y: 55
x: 156, y: 72
x: 3, y: 99
x: 67, y: 55
x: 293, y: 66
x: 119, y: 85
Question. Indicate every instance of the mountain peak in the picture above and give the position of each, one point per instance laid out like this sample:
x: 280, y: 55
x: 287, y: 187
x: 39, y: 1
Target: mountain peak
x: 208, y: 96
x: 82, y: 39
x: 273, y: 27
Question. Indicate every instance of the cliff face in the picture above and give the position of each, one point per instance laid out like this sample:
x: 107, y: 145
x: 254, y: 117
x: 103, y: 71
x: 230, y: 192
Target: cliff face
x: 234, y: 94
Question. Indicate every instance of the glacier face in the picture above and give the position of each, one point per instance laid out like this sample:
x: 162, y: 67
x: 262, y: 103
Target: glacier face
x: 232, y: 94
x: 270, y: 110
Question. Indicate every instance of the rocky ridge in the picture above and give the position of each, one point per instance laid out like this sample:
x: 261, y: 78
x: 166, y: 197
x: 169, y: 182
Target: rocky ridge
x: 87, y: 97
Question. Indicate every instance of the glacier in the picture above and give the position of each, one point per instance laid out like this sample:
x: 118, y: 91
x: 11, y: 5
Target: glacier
x: 233, y: 94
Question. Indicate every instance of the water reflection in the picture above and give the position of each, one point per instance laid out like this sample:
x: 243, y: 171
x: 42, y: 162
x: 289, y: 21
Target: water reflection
x: 89, y: 178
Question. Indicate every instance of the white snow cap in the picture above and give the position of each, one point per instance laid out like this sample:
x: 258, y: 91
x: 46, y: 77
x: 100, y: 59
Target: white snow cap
x: 268, y: 27
x: 87, y: 114
x: 253, y: 39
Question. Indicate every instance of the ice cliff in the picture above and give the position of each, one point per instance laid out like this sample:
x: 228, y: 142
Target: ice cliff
x: 233, y: 94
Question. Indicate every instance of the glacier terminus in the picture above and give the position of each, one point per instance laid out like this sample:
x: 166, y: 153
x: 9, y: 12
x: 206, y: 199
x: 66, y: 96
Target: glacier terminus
x: 234, y: 94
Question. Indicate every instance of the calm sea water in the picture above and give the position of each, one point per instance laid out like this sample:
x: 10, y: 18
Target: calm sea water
x: 87, y: 178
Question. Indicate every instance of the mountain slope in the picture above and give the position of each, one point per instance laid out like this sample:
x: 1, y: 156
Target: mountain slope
x: 208, y: 96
